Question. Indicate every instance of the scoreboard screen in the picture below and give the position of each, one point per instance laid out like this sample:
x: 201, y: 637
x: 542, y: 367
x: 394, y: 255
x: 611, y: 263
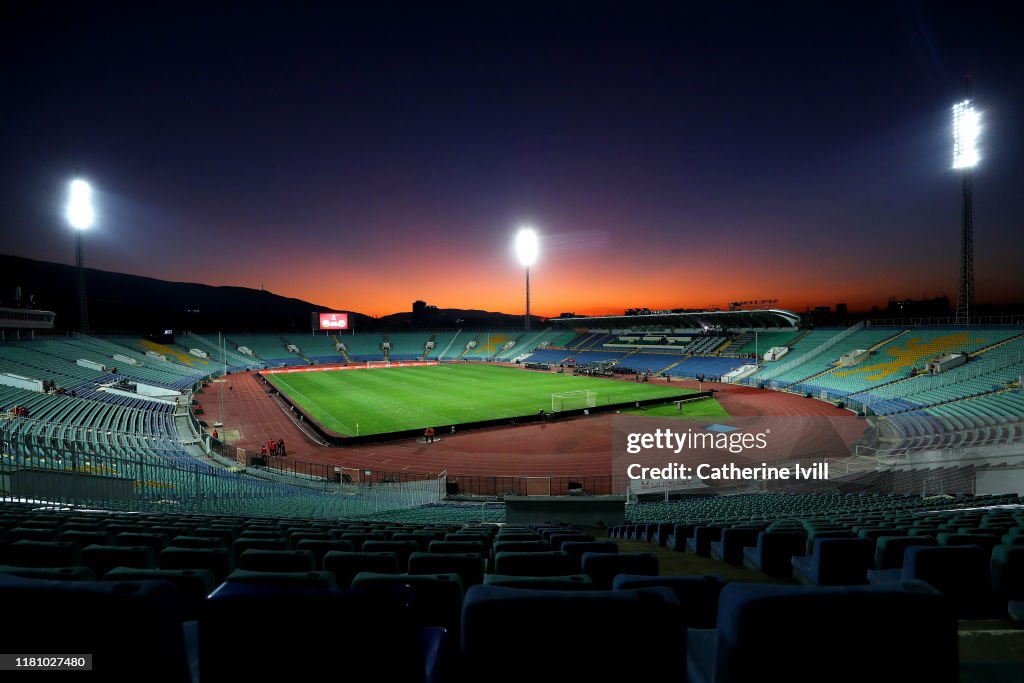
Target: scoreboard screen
x: 334, y: 321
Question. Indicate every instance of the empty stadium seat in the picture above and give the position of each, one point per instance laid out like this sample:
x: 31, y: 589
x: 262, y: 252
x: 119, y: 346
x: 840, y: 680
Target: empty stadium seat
x: 774, y: 552
x: 961, y: 573
x: 1007, y: 571
x: 156, y: 541
x: 26, y: 553
x: 220, y: 561
x: 283, y: 579
x: 759, y: 622
x: 567, y: 582
x: 240, y: 545
x: 192, y: 585
x: 557, y: 539
x: 889, y: 550
x: 835, y: 562
x: 703, y: 536
x: 604, y: 567
x: 679, y: 535
x: 51, y: 573
x: 132, y: 629
x: 345, y: 565
x: 320, y: 548
x: 277, y: 560
x: 437, y: 597
x: 698, y: 595
x: 401, y: 549
x: 366, y: 632
x: 102, y: 558
x: 577, y: 549
x: 458, y: 547
x: 500, y: 619
x: 469, y: 566
x: 730, y: 548
x: 550, y: 563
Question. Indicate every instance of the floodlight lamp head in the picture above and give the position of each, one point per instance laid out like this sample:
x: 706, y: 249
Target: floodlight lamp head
x: 526, y: 246
x: 80, y: 213
x: 966, y: 127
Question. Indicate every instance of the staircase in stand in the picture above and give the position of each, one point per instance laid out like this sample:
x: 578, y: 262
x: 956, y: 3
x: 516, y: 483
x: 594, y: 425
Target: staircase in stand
x: 343, y: 352
x: 298, y: 352
x: 665, y: 370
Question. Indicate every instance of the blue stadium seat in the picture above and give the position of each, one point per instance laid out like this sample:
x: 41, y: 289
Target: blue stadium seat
x: 835, y: 562
x: 961, y: 573
x: 374, y: 632
x: 698, y: 595
x: 604, y: 567
x: 132, y: 628
x: 757, y: 623
x: 542, y: 630
x: 774, y: 551
x: 575, y: 582
x: 551, y: 563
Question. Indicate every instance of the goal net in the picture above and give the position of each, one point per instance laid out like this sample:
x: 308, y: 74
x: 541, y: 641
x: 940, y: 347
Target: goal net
x: 573, y: 400
x: 378, y: 364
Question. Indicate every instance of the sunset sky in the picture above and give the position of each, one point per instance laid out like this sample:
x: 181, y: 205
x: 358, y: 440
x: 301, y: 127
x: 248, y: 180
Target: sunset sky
x: 669, y: 154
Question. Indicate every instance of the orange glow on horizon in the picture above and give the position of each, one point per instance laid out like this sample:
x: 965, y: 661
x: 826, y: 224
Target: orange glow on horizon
x: 381, y: 282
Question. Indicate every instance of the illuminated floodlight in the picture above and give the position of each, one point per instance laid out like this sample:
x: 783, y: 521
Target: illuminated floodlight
x: 80, y: 212
x: 966, y: 126
x: 526, y: 250
x: 526, y: 246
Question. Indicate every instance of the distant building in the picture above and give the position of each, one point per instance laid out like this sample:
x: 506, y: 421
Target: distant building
x: 914, y: 308
x: 423, y: 314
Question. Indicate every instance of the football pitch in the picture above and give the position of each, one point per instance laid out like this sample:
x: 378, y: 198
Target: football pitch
x: 376, y: 401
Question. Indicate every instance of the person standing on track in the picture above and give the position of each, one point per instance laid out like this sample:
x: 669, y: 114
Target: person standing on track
x: 428, y: 435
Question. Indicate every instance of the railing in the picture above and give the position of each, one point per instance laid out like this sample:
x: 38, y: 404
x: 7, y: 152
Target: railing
x: 75, y: 477
x: 498, y: 487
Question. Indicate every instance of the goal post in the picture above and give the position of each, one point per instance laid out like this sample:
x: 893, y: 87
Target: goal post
x: 378, y: 364
x: 573, y: 400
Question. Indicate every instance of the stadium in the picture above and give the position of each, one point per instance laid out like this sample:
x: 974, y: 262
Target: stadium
x: 714, y: 493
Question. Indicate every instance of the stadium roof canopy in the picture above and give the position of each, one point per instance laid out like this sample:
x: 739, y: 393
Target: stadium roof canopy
x: 769, y: 318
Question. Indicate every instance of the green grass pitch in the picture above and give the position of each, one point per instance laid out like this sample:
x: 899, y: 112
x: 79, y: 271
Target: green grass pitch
x: 708, y: 407
x: 376, y: 401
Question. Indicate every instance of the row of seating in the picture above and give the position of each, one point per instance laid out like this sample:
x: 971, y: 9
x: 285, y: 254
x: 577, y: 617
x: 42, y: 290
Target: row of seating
x: 342, y: 551
x: 862, y: 339
x: 770, y: 507
x: 984, y: 578
x: 432, y: 629
x: 103, y: 427
x: 437, y: 620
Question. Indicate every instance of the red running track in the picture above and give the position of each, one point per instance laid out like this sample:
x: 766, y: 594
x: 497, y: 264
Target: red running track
x: 572, y: 448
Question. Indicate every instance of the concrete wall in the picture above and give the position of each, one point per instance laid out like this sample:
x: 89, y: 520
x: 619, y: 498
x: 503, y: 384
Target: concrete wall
x: 578, y: 510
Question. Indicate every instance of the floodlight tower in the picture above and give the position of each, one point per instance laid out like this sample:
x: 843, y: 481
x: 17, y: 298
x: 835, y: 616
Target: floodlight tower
x: 81, y: 216
x: 526, y: 249
x: 965, y: 157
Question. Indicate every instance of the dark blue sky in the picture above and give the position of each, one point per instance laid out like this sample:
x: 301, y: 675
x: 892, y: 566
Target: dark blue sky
x: 670, y: 154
